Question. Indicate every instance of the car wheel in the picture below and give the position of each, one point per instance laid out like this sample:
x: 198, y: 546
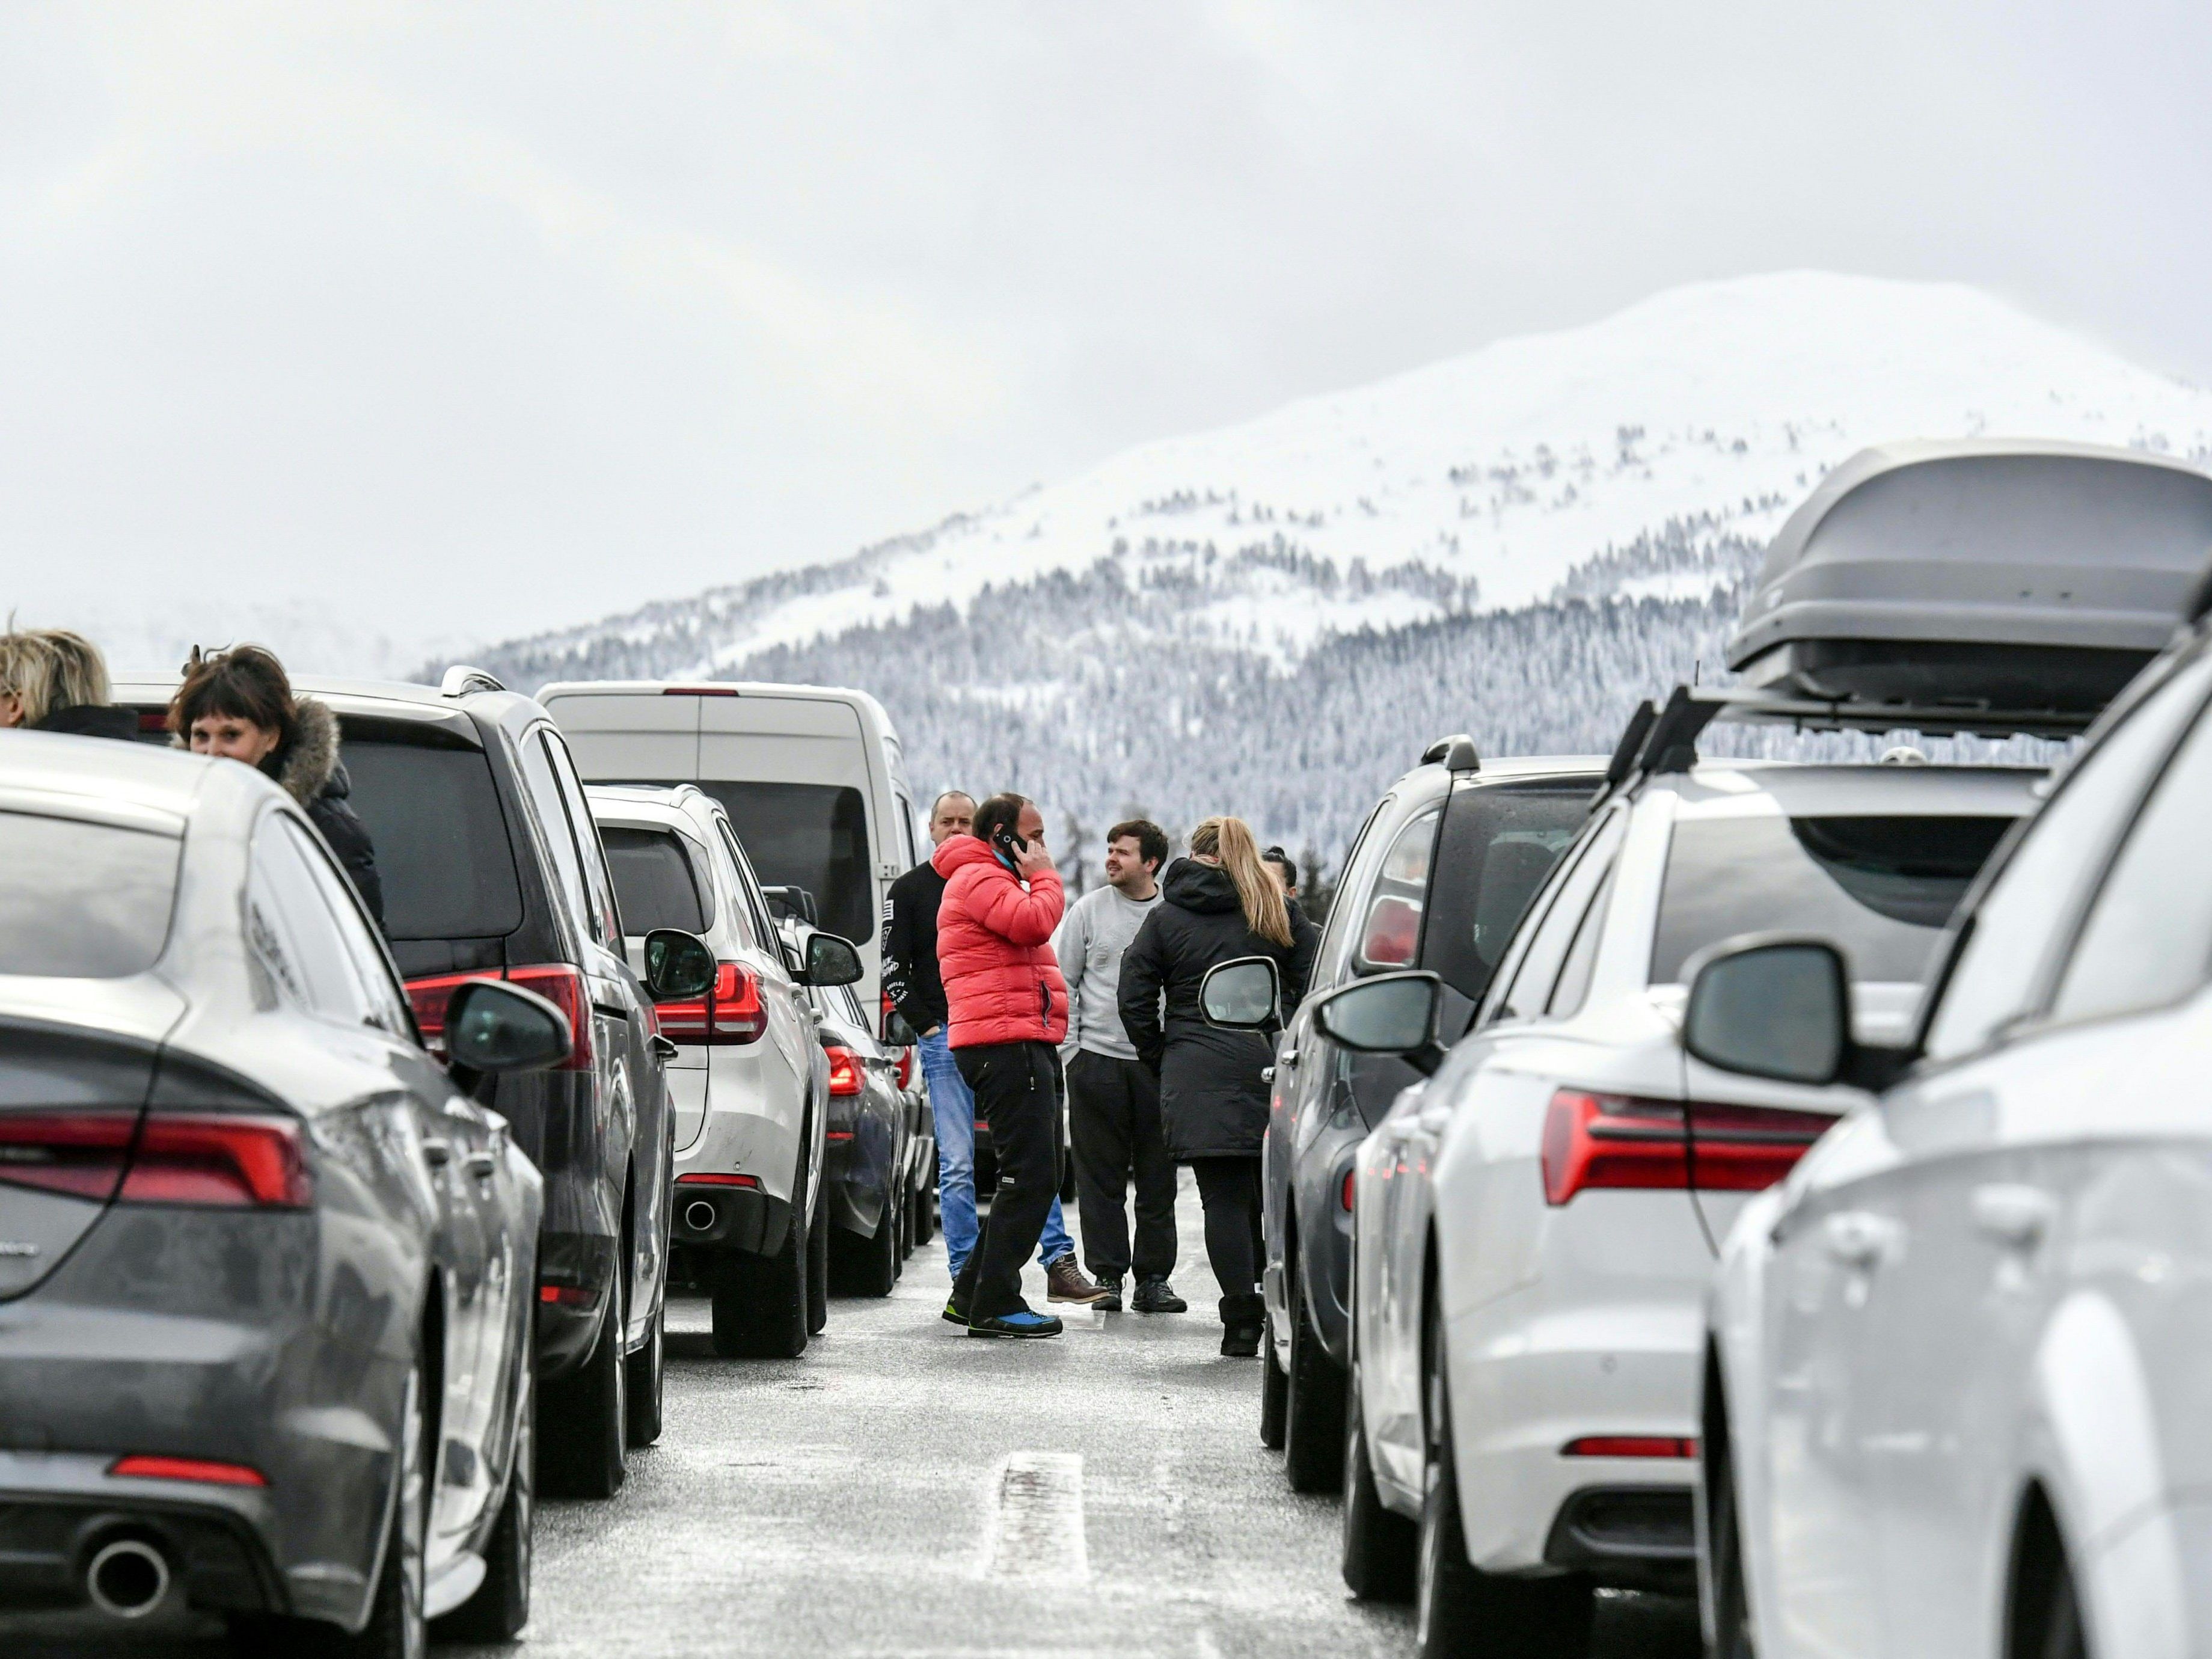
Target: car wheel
x: 1313, y: 1412
x: 1379, y: 1546
x: 817, y: 1267
x: 925, y: 1212
x: 761, y: 1302
x: 1458, y: 1608
x: 647, y: 1370
x: 587, y: 1418
x: 501, y: 1607
x: 1275, y: 1390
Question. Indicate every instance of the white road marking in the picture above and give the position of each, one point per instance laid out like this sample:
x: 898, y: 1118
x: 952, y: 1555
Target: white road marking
x: 1034, y: 1523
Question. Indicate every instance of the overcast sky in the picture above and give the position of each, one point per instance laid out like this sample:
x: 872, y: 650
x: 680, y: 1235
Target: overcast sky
x: 466, y: 319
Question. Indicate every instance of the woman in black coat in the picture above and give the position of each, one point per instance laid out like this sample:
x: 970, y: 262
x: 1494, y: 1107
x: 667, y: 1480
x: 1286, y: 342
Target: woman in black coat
x: 1219, y: 903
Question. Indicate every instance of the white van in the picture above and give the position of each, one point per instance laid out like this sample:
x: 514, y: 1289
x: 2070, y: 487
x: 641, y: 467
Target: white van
x: 812, y: 776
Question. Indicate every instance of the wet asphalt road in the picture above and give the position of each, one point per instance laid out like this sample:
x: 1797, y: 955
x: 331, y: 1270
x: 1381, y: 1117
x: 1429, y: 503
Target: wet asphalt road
x: 904, y: 1489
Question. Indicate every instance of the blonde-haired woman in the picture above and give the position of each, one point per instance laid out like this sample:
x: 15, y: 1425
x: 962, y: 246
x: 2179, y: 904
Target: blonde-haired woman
x: 1219, y: 903
x: 52, y: 680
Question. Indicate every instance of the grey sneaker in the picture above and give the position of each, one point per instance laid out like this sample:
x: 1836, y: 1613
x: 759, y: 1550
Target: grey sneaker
x: 1068, y: 1284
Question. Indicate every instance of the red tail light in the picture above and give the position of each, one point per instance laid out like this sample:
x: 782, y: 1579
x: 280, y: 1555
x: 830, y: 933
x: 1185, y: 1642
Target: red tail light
x: 732, y: 1013
x: 844, y: 1071
x: 905, y: 1054
x: 716, y: 1178
x: 1351, y: 1186
x: 1629, y: 1445
x: 1593, y: 1140
x: 557, y: 982
x: 143, y: 1468
x: 838, y: 1136
x: 211, y: 1159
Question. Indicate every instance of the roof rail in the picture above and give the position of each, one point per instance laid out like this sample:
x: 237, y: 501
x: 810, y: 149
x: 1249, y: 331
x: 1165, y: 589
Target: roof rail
x: 461, y: 679
x: 1457, y: 752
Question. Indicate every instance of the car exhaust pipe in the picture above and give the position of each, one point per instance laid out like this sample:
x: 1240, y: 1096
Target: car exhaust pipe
x: 699, y: 1216
x: 128, y: 1579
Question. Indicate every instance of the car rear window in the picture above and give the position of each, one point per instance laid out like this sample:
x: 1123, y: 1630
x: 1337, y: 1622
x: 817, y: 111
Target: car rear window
x: 1881, y: 888
x: 1499, y: 844
x: 83, y: 900
x: 442, y: 853
x: 813, y: 835
x: 655, y: 885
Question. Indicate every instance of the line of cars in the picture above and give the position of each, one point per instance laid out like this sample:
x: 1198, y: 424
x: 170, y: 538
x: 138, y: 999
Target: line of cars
x: 1530, y: 1273
x: 323, y: 1248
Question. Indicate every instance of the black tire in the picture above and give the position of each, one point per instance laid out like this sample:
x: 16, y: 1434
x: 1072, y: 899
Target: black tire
x: 501, y: 1607
x: 585, y: 1418
x: 2059, y: 1635
x: 1313, y: 1408
x: 1721, y: 1558
x: 760, y: 1301
x: 817, y: 1267
x: 1274, y: 1389
x: 1458, y: 1608
x: 877, y: 1261
x: 1380, y: 1547
x: 925, y: 1212
x: 649, y: 1369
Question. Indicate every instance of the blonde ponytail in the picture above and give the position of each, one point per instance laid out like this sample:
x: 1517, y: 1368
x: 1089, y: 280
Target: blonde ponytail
x: 1258, y: 893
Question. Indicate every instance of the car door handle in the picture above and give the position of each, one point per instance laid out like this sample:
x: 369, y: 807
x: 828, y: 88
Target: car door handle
x: 2014, y: 1216
x: 437, y: 1153
x: 663, y: 1048
x: 482, y: 1165
x: 1857, y: 1238
x: 1288, y: 1057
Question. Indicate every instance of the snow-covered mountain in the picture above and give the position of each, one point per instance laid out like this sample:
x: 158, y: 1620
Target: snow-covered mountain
x: 1592, y: 494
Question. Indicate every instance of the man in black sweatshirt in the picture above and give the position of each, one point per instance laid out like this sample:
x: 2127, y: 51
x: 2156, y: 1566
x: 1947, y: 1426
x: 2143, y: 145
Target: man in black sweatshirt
x: 917, y: 991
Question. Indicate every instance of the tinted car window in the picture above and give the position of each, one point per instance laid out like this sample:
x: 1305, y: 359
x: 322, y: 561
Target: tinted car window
x: 750, y: 915
x: 1498, y: 846
x: 1568, y: 996
x: 1881, y: 888
x: 2149, y: 939
x: 1538, y: 971
x: 605, y: 915
x: 813, y: 835
x: 655, y: 883
x: 1337, y: 933
x: 441, y: 844
x: 83, y: 900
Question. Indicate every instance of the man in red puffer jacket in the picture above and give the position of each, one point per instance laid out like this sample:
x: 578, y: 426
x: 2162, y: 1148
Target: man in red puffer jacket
x: 1007, y: 1012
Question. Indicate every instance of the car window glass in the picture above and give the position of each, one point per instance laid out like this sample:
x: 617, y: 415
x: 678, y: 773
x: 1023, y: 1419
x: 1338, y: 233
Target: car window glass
x: 605, y: 915
x: 762, y: 927
x: 813, y: 835
x: 2149, y: 938
x: 909, y: 855
x: 1568, y: 996
x: 654, y: 880
x: 1337, y: 934
x: 83, y: 900
x: 384, y: 1004
x: 293, y: 932
x: 1390, y: 932
x: 553, y: 816
x: 2036, y: 892
x: 432, y: 808
x: 1498, y: 843
x: 1530, y: 988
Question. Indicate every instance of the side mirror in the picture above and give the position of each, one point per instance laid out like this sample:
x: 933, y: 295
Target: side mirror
x: 679, y: 967
x: 898, y: 1033
x: 492, y: 1026
x: 1388, y: 1014
x: 831, y: 960
x: 1779, y: 1008
x: 1240, y: 995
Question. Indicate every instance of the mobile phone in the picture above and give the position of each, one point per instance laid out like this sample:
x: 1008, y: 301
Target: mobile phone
x: 1008, y: 843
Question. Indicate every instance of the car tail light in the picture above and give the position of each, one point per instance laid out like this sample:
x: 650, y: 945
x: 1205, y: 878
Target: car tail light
x: 1593, y: 1140
x: 207, y: 1159
x: 732, y: 1013
x: 1351, y: 1186
x: 1629, y: 1445
x: 557, y: 982
x: 1394, y: 930
x: 844, y: 1070
x: 558, y: 1294
x: 700, y: 691
x: 905, y: 1068
x: 143, y: 1468
x: 716, y: 1178
x: 837, y: 1135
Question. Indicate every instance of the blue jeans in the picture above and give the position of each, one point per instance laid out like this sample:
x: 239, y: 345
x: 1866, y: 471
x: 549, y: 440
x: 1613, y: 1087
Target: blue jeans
x: 953, y: 1105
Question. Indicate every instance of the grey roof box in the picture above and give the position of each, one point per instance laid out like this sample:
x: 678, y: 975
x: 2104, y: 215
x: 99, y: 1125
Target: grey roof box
x: 1999, y: 573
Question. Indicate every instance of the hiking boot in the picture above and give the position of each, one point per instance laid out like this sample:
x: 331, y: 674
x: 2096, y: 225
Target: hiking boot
x: 1020, y: 1322
x: 1068, y: 1284
x: 1111, y: 1301
x: 1155, y: 1295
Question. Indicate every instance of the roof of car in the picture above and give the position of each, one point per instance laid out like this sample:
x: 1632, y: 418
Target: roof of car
x: 642, y: 803
x: 1505, y: 768
x: 1718, y: 788
x: 404, y: 700
x: 100, y: 769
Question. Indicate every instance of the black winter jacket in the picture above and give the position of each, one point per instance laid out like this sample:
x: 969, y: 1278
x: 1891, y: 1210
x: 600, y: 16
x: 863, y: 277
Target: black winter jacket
x: 1212, y: 1102
x: 91, y: 719
x: 310, y: 772
x: 911, y: 970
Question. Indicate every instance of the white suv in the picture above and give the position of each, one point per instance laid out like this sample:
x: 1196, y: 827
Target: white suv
x: 1534, y: 1226
x: 750, y: 1084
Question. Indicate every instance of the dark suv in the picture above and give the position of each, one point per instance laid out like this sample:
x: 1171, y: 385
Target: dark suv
x: 1436, y: 878
x: 492, y: 867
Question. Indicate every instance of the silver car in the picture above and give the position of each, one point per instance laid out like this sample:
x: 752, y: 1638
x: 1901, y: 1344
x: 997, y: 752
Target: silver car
x: 265, y: 1272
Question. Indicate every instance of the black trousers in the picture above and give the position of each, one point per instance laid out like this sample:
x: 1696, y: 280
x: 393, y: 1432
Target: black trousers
x: 1229, y: 1189
x: 1016, y: 1089
x: 1114, y: 1131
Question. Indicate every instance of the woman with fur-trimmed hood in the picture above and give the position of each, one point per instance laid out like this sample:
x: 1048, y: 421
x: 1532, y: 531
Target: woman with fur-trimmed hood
x: 238, y: 703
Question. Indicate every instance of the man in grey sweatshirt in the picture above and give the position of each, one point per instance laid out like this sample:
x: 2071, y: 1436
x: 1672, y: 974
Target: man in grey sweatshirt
x: 1113, y: 1100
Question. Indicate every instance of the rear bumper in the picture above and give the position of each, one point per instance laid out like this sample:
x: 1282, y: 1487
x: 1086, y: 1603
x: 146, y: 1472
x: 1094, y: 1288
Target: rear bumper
x: 1631, y: 1536
x: 566, y: 1331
